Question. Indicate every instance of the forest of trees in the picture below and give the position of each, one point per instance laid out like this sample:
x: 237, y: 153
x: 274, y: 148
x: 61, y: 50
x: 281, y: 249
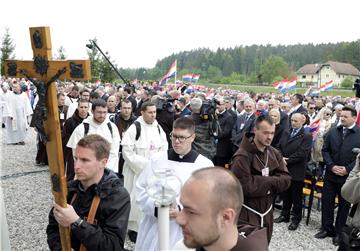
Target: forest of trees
x: 242, y: 64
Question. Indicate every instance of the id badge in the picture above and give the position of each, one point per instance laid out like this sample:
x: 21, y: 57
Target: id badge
x: 265, y: 172
x: 242, y: 126
x: 62, y: 116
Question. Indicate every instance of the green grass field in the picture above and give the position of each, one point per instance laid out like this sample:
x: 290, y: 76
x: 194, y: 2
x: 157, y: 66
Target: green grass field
x: 268, y: 89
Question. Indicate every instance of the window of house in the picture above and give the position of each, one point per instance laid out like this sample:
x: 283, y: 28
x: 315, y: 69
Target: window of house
x: 303, y: 76
x: 312, y: 77
x: 327, y: 75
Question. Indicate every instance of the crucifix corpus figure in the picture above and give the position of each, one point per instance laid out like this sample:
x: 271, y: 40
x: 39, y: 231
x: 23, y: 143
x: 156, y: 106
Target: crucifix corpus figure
x: 43, y: 71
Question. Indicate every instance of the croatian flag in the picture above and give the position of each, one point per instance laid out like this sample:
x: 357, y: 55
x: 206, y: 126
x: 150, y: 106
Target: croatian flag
x: 187, y: 77
x: 278, y: 85
x: 281, y: 84
x: 327, y: 86
x: 315, y: 92
x: 171, y: 73
x: 163, y: 81
x: 195, y: 78
x: 288, y: 86
x: 314, y: 128
x: 189, y: 89
x: 291, y: 85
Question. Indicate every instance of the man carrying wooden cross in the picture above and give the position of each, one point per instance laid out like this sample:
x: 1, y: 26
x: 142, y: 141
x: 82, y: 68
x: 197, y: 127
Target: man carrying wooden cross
x: 99, y: 206
x: 43, y: 71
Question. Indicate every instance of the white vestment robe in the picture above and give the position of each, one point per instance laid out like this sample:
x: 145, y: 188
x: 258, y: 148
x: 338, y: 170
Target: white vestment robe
x: 16, y: 117
x: 136, y: 154
x: 148, y: 234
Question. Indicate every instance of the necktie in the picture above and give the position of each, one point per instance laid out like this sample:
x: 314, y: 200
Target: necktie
x: 293, y: 133
x: 345, y: 131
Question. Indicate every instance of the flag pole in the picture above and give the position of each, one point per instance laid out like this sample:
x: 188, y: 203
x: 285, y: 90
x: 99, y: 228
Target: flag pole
x: 175, y: 73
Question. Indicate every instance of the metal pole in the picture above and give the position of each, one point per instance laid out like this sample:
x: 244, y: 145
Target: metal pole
x: 114, y: 68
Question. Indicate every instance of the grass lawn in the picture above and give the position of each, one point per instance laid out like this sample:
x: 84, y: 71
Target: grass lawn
x: 264, y: 89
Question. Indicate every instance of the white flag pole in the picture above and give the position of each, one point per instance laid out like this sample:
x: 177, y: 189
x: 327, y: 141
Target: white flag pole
x: 175, y: 72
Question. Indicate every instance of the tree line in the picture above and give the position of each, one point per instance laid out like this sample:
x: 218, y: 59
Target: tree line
x: 240, y: 65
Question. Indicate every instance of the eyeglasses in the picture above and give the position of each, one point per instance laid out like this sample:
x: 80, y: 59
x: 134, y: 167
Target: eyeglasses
x: 328, y: 114
x: 311, y: 108
x: 180, y: 138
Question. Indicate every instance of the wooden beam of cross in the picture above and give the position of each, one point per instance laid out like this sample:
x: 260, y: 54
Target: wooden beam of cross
x: 45, y: 71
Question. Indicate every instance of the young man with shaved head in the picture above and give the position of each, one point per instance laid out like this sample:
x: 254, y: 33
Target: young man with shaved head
x: 212, y: 200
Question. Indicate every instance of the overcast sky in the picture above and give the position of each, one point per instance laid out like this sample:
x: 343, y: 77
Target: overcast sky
x: 137, y: 33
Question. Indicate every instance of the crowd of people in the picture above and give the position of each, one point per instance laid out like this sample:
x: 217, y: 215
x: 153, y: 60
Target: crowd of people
x: 238, y: 154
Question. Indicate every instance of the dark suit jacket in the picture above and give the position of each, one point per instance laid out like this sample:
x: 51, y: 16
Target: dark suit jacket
x: 224, y: 147
x: 281, y: 131
x: 297, y: 149
x: 337, y: 151
x: 233, y: 114
x: 284, y: 120
x: 239, y: 130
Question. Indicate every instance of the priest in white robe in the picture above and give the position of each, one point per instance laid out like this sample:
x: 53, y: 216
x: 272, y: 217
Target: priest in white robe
x: 182, y: 160
x: 17, y: 116
x: 4, y: 95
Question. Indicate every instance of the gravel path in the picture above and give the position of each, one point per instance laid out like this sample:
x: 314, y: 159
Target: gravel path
x: 27, y: 197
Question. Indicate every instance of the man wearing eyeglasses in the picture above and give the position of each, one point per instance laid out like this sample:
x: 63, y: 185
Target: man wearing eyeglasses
x: 182, y: 160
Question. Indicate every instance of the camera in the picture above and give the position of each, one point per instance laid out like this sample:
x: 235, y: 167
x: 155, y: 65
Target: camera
x: 208, y: 109
x: 165, y: 104
x: 357, y: 88
x: 208, y: 113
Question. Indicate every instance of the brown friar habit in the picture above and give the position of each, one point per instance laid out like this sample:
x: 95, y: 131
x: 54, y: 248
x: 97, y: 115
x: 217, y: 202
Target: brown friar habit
x: 259, y: 190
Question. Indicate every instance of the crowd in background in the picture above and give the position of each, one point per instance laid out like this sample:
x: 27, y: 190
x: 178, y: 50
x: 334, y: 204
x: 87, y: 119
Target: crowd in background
x: 305, y: 131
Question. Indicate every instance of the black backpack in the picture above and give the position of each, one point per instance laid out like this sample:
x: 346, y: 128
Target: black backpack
x: 87, y: 126
x: 138, y: 129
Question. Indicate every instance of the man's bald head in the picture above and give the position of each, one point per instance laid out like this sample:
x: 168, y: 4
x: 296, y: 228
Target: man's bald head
x: 300, y: 116
x: 298, y: 120
x: 225, y: 190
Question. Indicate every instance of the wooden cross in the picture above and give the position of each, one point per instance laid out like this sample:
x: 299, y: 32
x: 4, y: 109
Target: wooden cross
x: 45, y: 69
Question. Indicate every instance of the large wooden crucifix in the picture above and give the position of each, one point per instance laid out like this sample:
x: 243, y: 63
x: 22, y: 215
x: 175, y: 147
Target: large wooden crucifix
x: 43, y: 71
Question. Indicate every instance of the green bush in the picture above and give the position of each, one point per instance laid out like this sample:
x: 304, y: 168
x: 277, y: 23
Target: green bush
x: 347, y: 83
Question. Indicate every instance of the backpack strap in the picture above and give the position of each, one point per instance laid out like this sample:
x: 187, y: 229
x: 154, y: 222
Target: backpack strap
x: 138, y: 129
x: 91, y: 216
x: 86, y: 128
x: 110, y: 128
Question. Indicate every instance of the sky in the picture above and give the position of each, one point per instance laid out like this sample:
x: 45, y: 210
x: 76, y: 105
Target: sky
x: 137, y: 33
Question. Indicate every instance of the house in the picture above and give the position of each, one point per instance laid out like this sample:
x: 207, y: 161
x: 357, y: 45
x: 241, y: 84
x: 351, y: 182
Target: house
x: 317, y: 74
